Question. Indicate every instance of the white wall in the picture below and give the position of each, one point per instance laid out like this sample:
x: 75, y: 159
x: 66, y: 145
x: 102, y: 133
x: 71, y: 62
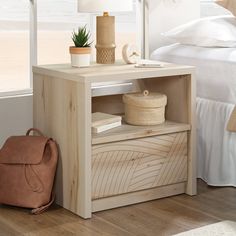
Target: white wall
x: 167, y: 14
x: 16, y: 116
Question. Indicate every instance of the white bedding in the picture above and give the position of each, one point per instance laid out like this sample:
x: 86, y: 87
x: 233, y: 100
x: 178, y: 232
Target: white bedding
x: 216, y: 91
x: 216, y: 149
x: 215, y: 69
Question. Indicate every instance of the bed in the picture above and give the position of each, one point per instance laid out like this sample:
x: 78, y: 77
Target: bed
x: 216, y: 98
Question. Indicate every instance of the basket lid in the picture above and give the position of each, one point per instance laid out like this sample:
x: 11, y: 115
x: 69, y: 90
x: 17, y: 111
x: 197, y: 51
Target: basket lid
x: 145, y: 99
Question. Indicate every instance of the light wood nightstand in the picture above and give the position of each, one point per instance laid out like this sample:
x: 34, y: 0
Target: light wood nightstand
x: 125, y: 165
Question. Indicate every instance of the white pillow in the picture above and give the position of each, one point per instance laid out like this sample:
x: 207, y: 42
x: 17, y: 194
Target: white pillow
x: 217, y: 31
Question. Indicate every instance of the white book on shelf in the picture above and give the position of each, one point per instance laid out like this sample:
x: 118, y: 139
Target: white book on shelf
x: 103, y: 122
x: 102, y: 128
x: 99, y: 118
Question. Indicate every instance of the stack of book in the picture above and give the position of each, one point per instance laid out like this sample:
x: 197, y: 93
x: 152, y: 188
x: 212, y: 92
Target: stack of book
x: 103, y: 121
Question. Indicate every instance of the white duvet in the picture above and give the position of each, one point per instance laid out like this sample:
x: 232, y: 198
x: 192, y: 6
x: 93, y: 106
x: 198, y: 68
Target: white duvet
x: 215, y: 69
x: 216, y: 91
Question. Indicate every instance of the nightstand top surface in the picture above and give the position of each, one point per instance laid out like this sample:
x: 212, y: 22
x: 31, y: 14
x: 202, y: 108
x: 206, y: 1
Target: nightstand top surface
x: 119, y: 71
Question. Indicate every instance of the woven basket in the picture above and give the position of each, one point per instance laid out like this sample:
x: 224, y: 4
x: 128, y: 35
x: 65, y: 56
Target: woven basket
x: 145, y: 108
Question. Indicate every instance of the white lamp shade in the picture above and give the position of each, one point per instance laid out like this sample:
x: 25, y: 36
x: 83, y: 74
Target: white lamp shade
x: 104, y: 5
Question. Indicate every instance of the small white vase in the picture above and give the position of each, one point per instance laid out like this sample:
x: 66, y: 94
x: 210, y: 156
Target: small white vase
x: 80, y: 57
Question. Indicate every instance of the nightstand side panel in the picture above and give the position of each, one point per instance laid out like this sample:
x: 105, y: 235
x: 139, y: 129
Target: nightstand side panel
x: 62, y: 111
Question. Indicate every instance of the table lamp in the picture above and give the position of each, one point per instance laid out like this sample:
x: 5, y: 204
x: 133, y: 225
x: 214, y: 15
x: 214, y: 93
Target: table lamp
x: 105, y: 43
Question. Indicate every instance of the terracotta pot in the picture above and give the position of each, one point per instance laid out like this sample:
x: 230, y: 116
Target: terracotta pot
x: 80, y: 57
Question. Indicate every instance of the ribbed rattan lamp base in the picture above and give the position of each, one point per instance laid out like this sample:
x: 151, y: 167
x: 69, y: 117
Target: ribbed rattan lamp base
x: 105, y: 55
x: 105, y: 39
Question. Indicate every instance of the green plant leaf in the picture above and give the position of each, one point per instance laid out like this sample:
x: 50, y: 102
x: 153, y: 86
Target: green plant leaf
x: 81, y: 37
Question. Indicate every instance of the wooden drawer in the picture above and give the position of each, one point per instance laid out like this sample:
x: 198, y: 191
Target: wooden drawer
x: 138, y: 164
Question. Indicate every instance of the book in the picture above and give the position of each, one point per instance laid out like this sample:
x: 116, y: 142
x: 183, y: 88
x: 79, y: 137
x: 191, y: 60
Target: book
x: 148, y: 64
x: 99, y: 118
x: 102, y: 128
x: 103, y: 122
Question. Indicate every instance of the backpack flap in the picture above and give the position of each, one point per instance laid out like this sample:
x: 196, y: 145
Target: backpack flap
x: 23, y: 150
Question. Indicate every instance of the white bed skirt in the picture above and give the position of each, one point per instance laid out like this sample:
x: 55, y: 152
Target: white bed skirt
x: 216, y: 147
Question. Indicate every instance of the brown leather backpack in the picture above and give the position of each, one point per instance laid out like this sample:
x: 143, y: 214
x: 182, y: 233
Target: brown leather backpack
x: 27, y: 171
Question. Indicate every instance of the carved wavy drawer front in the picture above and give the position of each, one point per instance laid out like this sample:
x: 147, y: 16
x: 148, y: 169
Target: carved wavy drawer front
x: 138, y: 164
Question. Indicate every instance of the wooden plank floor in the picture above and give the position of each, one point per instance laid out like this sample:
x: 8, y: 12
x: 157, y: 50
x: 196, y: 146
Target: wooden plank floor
x: 161, y: 217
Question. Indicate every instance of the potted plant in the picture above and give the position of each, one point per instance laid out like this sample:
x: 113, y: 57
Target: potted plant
x: 80, y: 53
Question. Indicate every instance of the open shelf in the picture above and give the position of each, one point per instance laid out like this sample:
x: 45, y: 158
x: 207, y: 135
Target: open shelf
x: 126, y: 131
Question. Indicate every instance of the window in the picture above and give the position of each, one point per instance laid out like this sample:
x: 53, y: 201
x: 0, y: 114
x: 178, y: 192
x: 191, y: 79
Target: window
x: 14, y: 45
x: 58, y: 18
x: 126, y: 30
x: 55, y: 22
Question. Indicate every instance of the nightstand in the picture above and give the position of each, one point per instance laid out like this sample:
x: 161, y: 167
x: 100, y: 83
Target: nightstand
x: 125, y: 165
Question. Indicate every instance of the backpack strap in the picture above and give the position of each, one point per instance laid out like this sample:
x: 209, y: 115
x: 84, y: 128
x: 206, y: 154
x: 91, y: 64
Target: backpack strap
x: 41, y: 209
x: 34, y: 130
